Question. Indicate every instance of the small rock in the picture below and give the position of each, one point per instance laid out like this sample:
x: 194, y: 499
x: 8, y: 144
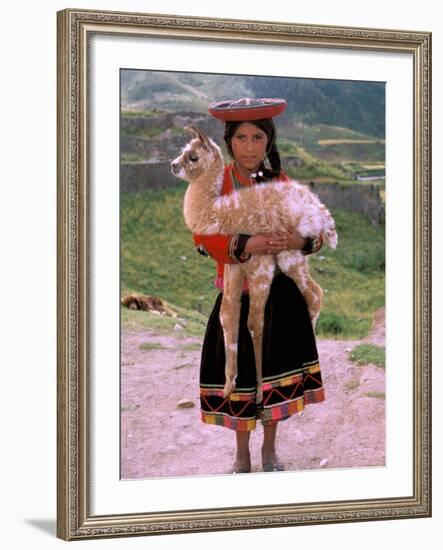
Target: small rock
x: 323, y: 462
x: 185, y: 404
x: 178, y: 327
x: 183, y: 258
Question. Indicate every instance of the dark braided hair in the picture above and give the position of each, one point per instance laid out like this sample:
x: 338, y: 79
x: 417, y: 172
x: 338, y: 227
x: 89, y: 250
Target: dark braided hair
x: 268, y: 126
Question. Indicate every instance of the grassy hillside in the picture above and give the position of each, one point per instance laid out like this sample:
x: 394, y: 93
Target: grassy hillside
x: 352, y: 104
x: 157, y: 251
x: 158, y: 257
x: 177, y: 90
x: 336, y: 144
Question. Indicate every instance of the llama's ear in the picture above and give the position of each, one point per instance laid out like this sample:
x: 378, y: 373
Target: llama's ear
x: 191, y: 129
x: 197, y: 133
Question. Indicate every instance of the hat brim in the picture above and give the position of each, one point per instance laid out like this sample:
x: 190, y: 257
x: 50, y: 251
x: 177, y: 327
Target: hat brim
x: 224, y: 112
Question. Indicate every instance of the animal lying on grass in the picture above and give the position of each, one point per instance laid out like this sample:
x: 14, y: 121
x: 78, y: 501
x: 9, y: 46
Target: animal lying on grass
x: 147, y: 303
x: 266, y: 208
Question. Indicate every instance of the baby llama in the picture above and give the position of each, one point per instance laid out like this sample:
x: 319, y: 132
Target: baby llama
x: 265, y: 208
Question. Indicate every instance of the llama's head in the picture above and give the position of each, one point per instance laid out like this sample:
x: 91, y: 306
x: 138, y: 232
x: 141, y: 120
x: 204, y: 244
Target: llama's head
x: 201, y: 156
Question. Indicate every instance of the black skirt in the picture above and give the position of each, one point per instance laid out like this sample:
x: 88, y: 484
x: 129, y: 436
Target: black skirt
x: 291, y: 370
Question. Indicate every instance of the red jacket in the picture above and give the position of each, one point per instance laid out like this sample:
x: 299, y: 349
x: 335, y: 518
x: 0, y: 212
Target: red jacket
x: 222, y: 247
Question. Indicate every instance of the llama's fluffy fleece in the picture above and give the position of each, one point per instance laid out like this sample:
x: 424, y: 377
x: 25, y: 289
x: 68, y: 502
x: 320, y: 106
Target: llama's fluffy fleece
x: 267, y: 208
x: 262, y: 208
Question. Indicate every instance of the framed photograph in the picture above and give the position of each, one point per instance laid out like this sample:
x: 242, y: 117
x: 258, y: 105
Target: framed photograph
x: 134, y: 297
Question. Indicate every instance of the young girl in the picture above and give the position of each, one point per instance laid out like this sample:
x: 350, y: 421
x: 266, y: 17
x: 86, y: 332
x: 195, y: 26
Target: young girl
x: 291, y: 371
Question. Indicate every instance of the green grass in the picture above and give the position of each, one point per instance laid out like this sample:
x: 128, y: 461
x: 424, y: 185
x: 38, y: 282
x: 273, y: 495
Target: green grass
x: 193, y: 346
x: 148, y: 346
x: 158, y: 258
x: 352, y: 385
x: 157, y: 252
x: 366, y: 354
x: 375, y: 394
x: 352, y: 277
x: 190, y: 323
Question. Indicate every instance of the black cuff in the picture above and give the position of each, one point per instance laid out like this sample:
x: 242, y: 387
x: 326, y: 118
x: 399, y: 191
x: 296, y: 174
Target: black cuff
x: 239, y: 251
x: 202, y: 250
x: 312, y: 245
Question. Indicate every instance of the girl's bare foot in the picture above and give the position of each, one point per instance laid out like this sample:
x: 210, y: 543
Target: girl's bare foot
x: 270, y: 461
x: 241, y: 466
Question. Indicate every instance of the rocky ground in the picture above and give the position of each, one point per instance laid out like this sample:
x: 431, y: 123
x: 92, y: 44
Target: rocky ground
x: 162, y: 434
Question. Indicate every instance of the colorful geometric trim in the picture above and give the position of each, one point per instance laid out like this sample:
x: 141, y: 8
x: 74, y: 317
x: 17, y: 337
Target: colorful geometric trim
x: 289, y: 395
x: 237, y: 412
x: 283, y: 396
x: 237, y: 424
x: 284, y: 410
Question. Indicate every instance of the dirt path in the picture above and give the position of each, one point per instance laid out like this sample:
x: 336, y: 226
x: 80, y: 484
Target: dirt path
x: 160, y: 439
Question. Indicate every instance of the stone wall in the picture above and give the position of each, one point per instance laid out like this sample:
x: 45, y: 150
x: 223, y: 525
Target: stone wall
x: 360, y: 197
x: 140, y: 176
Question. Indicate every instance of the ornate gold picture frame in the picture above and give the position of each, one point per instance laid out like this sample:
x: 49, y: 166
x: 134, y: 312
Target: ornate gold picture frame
x: 76, y: 517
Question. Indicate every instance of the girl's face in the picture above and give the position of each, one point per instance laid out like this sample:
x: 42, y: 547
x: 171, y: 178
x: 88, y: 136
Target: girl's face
x: 248, y: 146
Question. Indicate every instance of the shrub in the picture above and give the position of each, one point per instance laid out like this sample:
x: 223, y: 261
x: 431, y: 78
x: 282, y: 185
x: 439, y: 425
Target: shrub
x: 331, y: 323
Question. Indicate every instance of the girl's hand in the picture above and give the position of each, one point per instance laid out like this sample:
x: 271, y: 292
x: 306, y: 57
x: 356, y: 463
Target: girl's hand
x: 295, y: 240
x: 273, y: 243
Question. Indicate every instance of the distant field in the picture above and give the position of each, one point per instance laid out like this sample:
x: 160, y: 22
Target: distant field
x: 374, y: 166
x: 339, y: 146
x: 158, y: 258
x: 335, y: 141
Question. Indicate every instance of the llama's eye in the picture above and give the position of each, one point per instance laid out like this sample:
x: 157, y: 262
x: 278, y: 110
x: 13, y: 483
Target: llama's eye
x: 193, y: 157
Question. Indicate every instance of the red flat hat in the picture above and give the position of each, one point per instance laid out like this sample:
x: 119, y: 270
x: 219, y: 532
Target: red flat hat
x: 247, y: 108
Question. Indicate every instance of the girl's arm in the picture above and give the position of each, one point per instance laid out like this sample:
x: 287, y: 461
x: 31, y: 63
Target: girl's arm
x: 225, y: 249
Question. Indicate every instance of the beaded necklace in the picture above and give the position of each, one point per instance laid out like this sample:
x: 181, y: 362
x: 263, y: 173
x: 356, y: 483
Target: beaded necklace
x: 236, y: 183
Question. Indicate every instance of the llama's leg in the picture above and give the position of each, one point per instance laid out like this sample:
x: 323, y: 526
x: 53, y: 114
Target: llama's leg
x: 314, y: 299
x: 229, y: 319
x: 259, y: 273
x: 295, y: 265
